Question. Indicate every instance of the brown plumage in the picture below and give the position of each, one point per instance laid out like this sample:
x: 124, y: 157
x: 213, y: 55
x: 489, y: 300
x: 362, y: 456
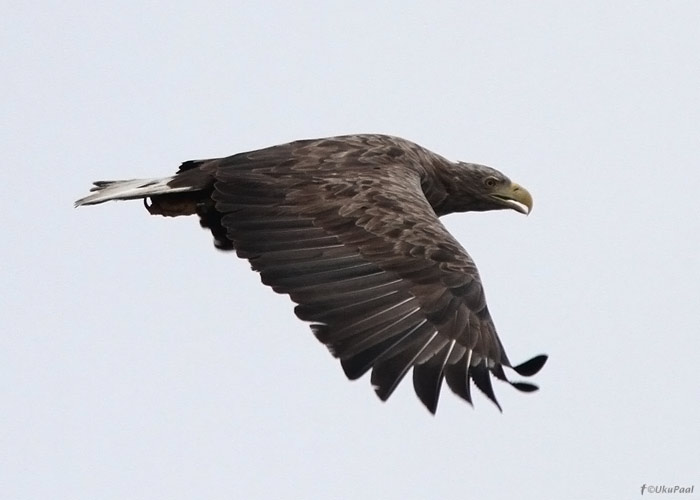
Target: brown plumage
x: 348, y: 227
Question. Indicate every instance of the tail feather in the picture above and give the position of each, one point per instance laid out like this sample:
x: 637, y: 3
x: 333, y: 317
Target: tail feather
x: 132, y: 189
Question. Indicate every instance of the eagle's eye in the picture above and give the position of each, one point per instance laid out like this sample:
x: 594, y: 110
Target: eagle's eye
x: 490, y: 182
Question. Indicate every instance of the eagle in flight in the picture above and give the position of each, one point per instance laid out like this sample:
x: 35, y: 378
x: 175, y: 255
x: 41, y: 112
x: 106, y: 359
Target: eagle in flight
x: 349, y: 228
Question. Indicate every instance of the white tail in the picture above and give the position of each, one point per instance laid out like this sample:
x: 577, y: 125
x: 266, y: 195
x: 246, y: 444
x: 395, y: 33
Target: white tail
x: 132, y: 189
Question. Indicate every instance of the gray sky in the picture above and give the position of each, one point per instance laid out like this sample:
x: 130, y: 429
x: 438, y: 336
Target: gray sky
x: 138, y: 362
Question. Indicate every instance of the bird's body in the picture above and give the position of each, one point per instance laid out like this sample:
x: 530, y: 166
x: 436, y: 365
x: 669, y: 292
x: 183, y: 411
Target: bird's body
x: 348, y: 227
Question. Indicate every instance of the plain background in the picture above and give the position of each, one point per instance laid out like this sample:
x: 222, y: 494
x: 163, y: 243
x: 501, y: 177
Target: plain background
x: 137, y: 362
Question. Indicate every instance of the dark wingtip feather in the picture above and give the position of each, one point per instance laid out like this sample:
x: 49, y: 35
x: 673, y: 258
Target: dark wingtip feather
x: 391, y: 367
x: 387, y: 373
x: 382, y: 390
x: 524, y: 386
x: 427, y: 381
x: 353, y: 368
x: 481, y: 378
x: 358, y: 364
x: 457, y: 379
x: 531, y: 366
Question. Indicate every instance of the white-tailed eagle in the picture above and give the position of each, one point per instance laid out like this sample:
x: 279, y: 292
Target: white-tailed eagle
x: 349, y: 228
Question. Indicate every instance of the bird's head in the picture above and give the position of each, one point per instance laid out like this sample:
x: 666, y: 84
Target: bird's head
x: 480, y: 188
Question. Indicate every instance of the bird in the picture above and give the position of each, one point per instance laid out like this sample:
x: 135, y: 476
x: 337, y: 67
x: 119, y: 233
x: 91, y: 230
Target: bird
x: 349, y: 228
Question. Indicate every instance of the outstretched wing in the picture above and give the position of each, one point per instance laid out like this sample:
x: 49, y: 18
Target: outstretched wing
x: 362, y: 253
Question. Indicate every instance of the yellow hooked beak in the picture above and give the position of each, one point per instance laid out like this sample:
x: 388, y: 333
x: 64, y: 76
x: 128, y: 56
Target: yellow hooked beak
x: 514, y: 196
